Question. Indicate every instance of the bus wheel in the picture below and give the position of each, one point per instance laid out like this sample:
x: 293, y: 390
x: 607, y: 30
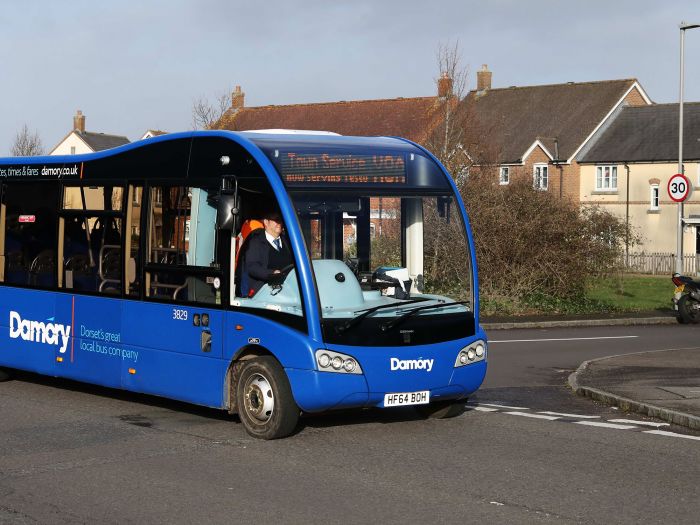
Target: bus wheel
x: 265, y: 403
x: 5, y: 375
x: 442, y: 409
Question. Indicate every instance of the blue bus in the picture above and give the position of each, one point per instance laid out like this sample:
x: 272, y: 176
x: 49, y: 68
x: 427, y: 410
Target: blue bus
x: 123, y: 269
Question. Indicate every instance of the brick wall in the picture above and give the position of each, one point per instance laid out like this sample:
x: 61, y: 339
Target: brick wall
x: 634, y: 98
x: 568, y: 173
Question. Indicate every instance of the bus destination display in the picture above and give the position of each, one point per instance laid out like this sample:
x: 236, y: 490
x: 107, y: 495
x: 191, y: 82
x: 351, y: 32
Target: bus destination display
x: 335, y: 168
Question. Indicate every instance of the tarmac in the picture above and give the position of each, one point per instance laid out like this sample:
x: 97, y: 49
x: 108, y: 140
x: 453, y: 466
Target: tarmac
x: 664, y: 384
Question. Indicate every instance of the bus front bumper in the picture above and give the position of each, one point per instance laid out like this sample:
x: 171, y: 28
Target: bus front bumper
x: 316, y: 391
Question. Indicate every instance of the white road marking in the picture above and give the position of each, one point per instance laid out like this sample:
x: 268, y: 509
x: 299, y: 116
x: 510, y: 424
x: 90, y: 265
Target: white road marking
x: 573, y: 416
x: 604, y: 425
x: 647, y: 423
x: 503, y: 406
x: 564, y: 339
x: 671, y: 434
x: 620, y: 424
x: 536, y: 416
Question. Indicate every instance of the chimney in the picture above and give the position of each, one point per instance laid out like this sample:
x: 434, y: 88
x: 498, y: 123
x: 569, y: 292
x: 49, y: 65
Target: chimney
x: 483, y: 78
x: 79, y: 122
x: 237, y: 99
x: 444, y: 86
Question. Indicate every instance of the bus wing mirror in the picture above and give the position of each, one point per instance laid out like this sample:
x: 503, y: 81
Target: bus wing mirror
x: 226, y: 211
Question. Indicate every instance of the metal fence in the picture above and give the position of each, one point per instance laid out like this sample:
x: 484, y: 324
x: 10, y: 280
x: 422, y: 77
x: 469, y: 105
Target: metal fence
x: 662, y: 263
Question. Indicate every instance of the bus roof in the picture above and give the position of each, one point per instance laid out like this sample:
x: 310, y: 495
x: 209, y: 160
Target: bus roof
x: 263, y: 138
x: 310, y: 161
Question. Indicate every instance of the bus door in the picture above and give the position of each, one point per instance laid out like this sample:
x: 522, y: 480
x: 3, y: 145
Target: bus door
x: 175, y: 337
x: 90, y: 246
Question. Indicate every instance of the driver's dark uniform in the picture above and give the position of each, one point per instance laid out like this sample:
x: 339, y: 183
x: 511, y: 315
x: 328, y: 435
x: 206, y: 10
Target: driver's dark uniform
x: 259, y: 261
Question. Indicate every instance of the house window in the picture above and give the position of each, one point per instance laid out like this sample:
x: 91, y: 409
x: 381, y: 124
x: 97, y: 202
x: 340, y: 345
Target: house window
x: 504, y: 175
x: 540, y: 177
x: 606, y: 178
x: 654, y: 197
x: 72, y: 150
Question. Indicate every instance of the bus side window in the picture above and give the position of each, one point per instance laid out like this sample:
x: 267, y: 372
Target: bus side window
x: 181, y: 262
x: 30, y: 234
x: 91, y: 231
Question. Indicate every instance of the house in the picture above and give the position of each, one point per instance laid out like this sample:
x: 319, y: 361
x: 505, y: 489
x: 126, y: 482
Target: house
x: 81, y: 141
x: 627, y: 167
x: 152, y: 133
x: 412, y: 118
x: 535, y: 132
x: 530, y: 132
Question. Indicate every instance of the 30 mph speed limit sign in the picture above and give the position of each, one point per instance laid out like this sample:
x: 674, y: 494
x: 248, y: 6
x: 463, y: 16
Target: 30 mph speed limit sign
x: 678, y: 187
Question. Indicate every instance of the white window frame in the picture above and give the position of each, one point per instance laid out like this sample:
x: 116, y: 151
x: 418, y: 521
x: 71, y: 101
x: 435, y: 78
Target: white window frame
x: 603, y: 181
x: 504, y: 175
x: 654, y: 197
x: 537, y: 178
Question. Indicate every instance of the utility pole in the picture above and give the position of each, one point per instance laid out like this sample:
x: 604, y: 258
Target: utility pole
x: 679, y: 236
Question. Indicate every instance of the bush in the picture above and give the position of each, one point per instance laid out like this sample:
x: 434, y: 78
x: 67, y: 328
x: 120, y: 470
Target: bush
x: 535, y: 250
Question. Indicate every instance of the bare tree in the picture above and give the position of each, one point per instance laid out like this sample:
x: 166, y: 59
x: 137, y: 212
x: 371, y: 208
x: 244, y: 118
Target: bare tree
x: 448, y: 138
x: 206, y: 113
x: 27, y: 144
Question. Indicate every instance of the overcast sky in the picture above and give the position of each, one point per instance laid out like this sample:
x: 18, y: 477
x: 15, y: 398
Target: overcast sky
x: 132, y: 66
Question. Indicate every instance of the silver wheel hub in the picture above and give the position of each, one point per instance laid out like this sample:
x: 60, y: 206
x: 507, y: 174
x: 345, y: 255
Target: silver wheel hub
x: 259, y: 398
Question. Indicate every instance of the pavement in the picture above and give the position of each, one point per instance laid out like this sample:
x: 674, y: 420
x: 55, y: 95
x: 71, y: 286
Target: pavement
x: 559, y: 321
x: 664, y: 384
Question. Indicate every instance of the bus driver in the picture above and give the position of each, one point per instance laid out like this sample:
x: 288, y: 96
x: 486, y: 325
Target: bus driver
x: 266, y: 253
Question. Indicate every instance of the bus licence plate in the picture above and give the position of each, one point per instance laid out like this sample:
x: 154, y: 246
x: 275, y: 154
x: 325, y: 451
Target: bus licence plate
x: 407, y: 398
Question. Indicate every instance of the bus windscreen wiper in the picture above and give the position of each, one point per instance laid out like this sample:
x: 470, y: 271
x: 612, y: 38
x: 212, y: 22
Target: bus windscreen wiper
x: 395, y: 322
x: 355, y: 320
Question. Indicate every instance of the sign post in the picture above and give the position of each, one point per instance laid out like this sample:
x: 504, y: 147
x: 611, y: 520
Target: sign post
x: 678, y: 190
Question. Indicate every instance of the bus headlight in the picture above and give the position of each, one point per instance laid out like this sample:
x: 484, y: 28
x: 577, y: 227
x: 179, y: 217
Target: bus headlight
x: 473, y: 353
x: 336, y: 362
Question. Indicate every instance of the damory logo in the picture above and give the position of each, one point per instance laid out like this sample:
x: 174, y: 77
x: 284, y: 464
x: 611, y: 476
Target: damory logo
x: 39, y: 332
x: 411, y: 364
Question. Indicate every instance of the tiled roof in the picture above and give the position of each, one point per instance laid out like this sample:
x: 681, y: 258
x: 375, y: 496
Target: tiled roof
x: 512, y: 119
x: 405, y: 117
x: 648, y: 134
x: 102, y: 141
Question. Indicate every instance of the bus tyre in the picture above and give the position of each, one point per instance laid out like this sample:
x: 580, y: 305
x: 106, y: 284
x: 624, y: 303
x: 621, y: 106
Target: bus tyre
x: 5, y: 375
x: 442, y: 409
x: 688, y: 310
x: 265, y: 403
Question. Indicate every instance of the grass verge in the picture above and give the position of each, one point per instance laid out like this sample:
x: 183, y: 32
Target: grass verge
x: 624, y: 293
x: 633, y: 293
